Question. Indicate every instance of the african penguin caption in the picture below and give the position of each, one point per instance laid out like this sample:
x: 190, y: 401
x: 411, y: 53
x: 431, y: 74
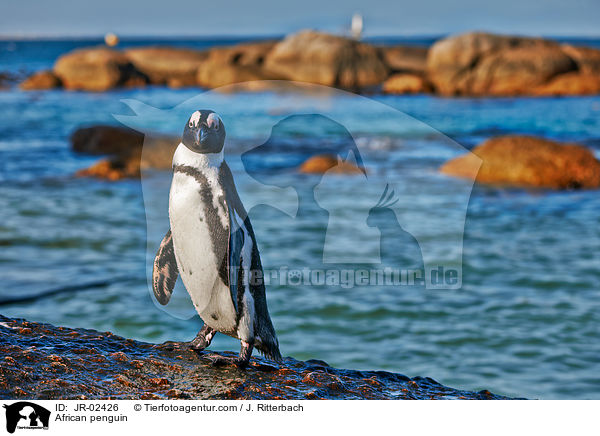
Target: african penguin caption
x: 212, y: 246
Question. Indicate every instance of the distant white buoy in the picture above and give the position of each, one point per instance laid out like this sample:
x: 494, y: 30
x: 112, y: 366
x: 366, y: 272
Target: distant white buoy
x: 111, y: 39
x: 357, y: 26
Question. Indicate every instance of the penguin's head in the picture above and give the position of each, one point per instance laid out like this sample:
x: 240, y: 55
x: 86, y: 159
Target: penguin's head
x: 204, y: 132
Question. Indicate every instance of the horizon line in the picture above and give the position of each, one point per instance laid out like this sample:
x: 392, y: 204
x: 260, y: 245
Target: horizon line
x: 225, y: 36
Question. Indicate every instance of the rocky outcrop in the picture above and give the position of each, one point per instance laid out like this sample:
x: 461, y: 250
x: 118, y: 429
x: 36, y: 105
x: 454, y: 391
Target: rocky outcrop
x: 574, y: 83
x: 244, y: 55
x: 528, y: 161
x: 128, y: 151
x: 106, y: 140
x: 516, y: 70
x: 214, y: 75
x: 40, y: 361
x: 241, y: 63
x: 405, y: 59
x: 97, y: 69
x: 171, y: 66
x: 404, y: 83
x: 482, y: 64
x: 471, y: 64
x: 409, y: 68
x: 587, y: 59
x: 326, y: 59
x: 113, y: 169
x: 41, y: 80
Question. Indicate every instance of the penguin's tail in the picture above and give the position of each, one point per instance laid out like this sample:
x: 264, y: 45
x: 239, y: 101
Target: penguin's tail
x: 269, y: 347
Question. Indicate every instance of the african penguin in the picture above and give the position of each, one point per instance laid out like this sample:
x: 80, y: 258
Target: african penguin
x: 212, y: 246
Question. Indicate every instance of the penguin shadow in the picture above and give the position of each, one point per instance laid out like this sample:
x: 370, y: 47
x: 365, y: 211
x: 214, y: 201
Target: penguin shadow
x: 398, y: 248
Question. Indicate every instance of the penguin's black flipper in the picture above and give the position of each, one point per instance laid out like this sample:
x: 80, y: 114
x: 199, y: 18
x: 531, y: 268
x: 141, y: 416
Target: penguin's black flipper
x: 235, y: 210
x: 267, y: 342
x: 164, y: 272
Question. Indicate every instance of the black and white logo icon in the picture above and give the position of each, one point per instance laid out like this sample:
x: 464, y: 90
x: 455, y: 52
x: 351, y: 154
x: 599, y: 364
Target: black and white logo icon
x: 26, y: 415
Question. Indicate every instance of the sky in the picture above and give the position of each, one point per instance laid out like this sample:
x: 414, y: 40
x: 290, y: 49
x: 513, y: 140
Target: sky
x: 268, y: 17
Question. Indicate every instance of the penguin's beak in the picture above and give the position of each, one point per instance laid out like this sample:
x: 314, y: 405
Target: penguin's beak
x: 202, y: 134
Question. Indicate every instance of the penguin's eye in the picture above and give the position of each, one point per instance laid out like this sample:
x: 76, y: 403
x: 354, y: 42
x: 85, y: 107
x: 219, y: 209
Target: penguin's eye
x: 190, y: 124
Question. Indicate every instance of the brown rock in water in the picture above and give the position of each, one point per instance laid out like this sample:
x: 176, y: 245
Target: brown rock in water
x: 528, y: 161
x: 485, y: 64
x: 128, y: 151
x: 574, y: 83
x: 450, y: 60
x: 175, y: 67
x: 240, y: 63
x: 405, y: 59
x: 3, y: 81
x: 515, y: 71
x: 97, y: 69
x: 106, y: 140
x: 7, y: 79
x: 41, y: 80
x: 325, y: 59
x: 403, y: 83
x: 586, y: 58
x: 41, y: 361
x: 322, y: 163
x: 251, y: 54
x: 111, y: 169
x: 214, y: 75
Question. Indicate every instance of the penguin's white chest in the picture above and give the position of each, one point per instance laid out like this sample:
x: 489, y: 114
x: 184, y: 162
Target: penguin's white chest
x: 193, y: 223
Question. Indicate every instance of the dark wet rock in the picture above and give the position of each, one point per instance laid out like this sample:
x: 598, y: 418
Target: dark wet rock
x: 128, y: 151
x: 41, y: 80
x: 97, y: 69
x: 7, y: 79
x: 325, y: 59
x: 528, y: 161
x: 106, y: 140
x: 175, y: 67
x: 41, y: 361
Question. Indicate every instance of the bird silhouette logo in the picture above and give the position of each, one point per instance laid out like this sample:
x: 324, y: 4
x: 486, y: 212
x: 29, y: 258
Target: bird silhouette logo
x: 397, y: 210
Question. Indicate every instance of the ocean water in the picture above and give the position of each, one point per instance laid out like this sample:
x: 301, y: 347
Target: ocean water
x: 525, y: 322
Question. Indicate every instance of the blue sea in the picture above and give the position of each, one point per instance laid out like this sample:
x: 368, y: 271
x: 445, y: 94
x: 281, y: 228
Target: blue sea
x: 522, y: 320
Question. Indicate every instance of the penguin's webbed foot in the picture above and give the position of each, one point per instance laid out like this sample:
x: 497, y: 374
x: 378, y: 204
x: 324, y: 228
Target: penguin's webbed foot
x: 203, y: 338
x: 241, y: 361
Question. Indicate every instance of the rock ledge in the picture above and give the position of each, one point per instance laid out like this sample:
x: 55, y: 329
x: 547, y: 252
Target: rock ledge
x: 41, y: 361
